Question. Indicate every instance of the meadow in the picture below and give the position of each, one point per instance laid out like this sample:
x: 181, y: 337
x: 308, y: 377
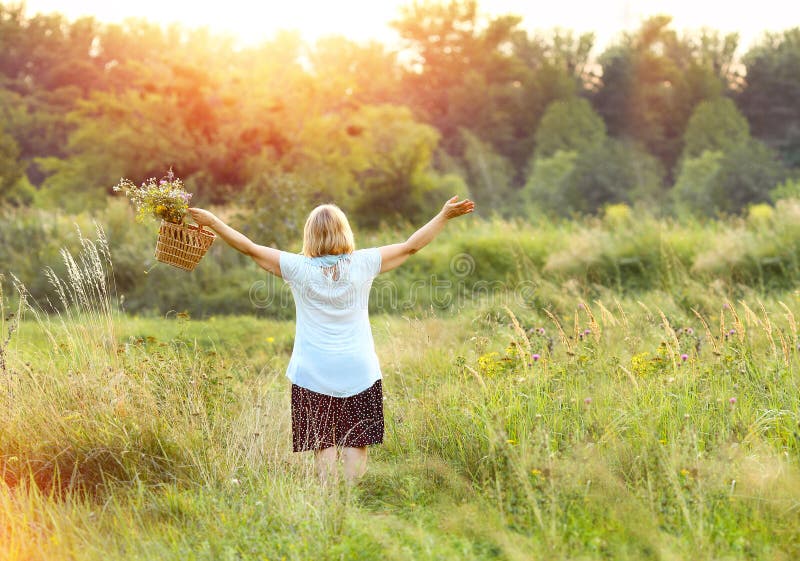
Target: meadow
x: 558, y: 423
x: 600, y: 363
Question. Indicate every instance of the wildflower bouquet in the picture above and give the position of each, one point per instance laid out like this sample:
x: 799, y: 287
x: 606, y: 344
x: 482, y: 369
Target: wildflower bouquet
x: 164, y: 200
x: 180, y: 245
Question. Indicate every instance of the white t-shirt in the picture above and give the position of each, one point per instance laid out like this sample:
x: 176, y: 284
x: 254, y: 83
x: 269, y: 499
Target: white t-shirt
x: 334, y: 353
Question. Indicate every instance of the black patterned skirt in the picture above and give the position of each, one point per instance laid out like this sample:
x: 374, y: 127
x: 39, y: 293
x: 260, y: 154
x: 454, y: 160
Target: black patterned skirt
x: 321, y: 421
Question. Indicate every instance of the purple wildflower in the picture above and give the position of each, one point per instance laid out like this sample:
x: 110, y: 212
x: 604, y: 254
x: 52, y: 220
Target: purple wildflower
x: 540, y: 331
x: 535, y: 357
x: 732, y: 332
x: 587, y: 400
x: 689, y: 331
x: 684, y: 357
x: 587, y: 331
x: 732, y: 401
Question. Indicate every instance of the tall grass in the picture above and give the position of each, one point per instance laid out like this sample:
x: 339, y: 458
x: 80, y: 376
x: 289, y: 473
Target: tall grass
x: 109, y: 410
x: 647, y: 427
x: 636, y: 440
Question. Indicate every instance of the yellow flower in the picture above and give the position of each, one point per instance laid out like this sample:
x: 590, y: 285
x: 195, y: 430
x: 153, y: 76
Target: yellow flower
x: 270, y: 339
x: 488, y: 363
x: 160, y: 209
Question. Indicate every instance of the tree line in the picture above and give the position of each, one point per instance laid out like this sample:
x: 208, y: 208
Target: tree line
x: 523, y: 123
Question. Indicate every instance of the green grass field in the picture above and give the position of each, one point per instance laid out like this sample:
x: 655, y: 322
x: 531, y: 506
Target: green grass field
x: 639, y: 431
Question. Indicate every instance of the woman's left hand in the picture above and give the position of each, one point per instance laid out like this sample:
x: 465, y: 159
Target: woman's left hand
x: 203, y: 217
x: 454, y: 208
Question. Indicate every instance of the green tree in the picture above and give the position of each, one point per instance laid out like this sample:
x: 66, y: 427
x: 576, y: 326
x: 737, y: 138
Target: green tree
x: 548, y: 186
x: 464, y: 73
x: 636, y: 99
x: 613, y: 172
x: 652, y: 79
x: 274, y: 206
x: 607, y: 172
x: 394, y: 174
x: 11, y: 170
x: 567, y: 125
x: 576, y: 168
x: 488, y: 174
x: 715, y: 125
x: 723, y: 169
x: 695, y: 191
x: 350, y: 74
x: 771, y: 98
x: 376, y: 161
x: 728, y: 181
x: 126, y: 135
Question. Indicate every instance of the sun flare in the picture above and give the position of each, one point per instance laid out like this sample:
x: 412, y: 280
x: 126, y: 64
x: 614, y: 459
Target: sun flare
x: 252, y: 23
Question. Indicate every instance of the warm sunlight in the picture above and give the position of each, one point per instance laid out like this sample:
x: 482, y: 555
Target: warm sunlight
x: 249, y: 22
x: 399, y: 279
x: 366, y: 19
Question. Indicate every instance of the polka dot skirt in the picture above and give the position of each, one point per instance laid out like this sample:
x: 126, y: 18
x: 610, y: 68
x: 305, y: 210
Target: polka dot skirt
x: 321, y: 421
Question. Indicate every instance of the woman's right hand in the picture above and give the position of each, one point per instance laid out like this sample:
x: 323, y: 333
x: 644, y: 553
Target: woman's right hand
x: 202, y: 217
x: 454, y: 207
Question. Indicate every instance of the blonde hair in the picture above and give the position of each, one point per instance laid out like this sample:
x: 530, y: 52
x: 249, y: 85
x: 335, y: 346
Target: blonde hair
x: 327, y: 232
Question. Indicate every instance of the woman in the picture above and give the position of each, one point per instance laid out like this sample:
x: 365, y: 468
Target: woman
x: 337, y: 400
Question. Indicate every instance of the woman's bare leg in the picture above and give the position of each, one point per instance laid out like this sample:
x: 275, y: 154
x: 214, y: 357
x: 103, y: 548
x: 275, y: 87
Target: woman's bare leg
x: 325, y: 461
x: 355, y: 463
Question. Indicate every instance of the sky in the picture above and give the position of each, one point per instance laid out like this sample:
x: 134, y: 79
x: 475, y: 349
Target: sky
x: 254, y: 21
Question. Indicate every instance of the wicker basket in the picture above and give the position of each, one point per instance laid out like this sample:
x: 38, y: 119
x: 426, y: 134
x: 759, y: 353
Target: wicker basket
x: 182, y: 245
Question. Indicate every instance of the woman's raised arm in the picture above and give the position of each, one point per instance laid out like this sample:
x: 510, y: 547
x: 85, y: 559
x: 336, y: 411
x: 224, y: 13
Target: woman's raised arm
x: 394, y: 255
x: 268, y: 258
